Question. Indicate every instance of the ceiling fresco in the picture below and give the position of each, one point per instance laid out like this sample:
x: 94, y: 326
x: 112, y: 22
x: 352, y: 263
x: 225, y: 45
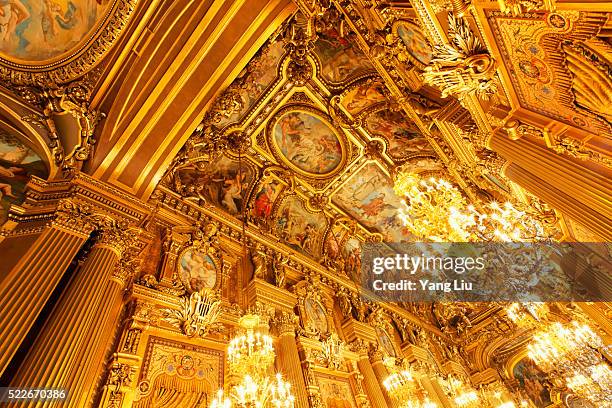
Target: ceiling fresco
x: 302, y: 145
x: 35, y: 30
x: 17, y: 163
x: 307, y: 142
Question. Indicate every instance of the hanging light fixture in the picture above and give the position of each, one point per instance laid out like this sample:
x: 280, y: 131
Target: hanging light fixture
x: 435, y: 210
x: 571, y: 355
x: 459, y: 392
x: 250, y: 358
x: 497, y: 395
x: 405, y: 390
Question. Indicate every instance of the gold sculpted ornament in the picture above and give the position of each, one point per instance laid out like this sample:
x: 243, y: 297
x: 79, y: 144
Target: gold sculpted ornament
x: 463, y: 66
x: 198, y: 314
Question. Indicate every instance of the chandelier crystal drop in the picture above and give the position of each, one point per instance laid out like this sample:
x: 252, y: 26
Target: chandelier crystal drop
x: 435, y: 210
x: 250, y: 358
x: 571, y: 355
x: 406, y: 391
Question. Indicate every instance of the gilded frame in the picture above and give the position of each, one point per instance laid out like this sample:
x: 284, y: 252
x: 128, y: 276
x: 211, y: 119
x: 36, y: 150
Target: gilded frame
x: 280, y: 157
x: 77, y: 61
x: 407, y: 53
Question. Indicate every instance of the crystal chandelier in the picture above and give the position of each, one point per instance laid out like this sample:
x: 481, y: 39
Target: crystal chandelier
x: 252, y: 394
x: 250, y: 353
x: 435, y: 210
x: 526, y: 313
x: 571, y: 355
x: 405, y: 390
x: 498, y: 396
x: 563, y: 345
x: 462, y: 395
x: 250, y: 358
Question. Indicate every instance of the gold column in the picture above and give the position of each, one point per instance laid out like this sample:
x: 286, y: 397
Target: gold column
x: 289, y: 357
x: 370, y: 381
x: 28, y: 284
x: 104, y: 326
x: 434, y: 392
x: 381, y: 372
x: 579, y: 190
x: 65, y: 349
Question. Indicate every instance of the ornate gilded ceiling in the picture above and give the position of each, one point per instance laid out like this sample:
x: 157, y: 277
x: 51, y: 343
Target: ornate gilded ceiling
x: 553, y: 64
x: 48, y: 41
x: 304, y: 144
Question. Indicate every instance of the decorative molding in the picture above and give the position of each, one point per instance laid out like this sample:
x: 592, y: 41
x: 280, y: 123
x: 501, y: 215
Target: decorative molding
x: 462, y: 67
x: 78, y: 62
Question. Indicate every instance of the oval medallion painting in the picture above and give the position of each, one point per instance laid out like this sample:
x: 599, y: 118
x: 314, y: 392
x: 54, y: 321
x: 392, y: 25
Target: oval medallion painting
x: 197, y: 270
x: 42, y: 30
x: 415, y: 42
x: 308, y: 142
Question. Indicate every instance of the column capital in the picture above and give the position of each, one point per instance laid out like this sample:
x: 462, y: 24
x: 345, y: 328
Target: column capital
x: 286, y: 323
x: 117, y: 235
x: 376, y: 354
x: 74, y: 217
x: 360, y: 347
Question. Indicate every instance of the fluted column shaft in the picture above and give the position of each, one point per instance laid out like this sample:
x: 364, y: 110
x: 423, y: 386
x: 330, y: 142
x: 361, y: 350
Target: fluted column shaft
x: 381, y: 373
x: 371, y: 384
x: 64, y: 344
x: 291, y: 367
x: 289, y: 361
x: 27, y: 286
x: 103, y: 327
x: 569, y: 186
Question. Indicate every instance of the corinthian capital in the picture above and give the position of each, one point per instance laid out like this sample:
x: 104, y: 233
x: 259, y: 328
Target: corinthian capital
x: 117, y: 235
x: 286, y: 323
x: 74, y: 217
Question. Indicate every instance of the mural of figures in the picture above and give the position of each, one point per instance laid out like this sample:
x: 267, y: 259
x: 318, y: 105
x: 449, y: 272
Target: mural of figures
x: 299, y: 228
x: 308, y: 142
x: 336, y: 392
x: 221, y: 183
x: 17, y: 163
x: 340, y: 60
x: 197, y: 270
x: 343, y: 251
x: 423, y: 165
x: 400, y: 132
x: 363, y: 96
x: 532, y: 380
x: 385, y: 342
x: 265, y: 198
x: 39, y: 30
x: 352, y: 255
x: 369, y: 197
x: 415, y: 42
x: 316, y: 318
x: 255, y: 79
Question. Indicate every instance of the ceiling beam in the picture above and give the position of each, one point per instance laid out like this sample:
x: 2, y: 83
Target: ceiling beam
x: 183, y: 59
